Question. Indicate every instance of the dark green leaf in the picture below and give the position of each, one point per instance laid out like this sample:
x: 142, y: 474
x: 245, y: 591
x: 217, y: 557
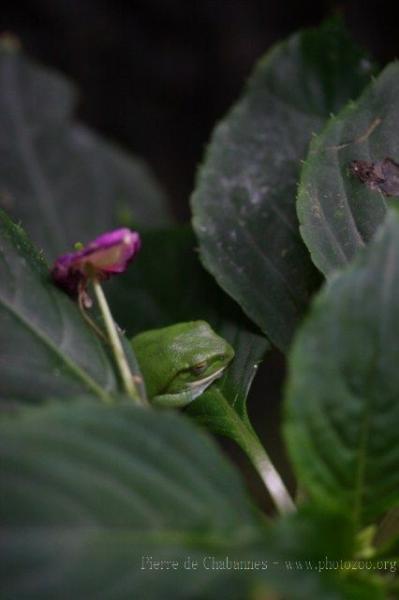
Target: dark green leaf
x: 339, y: 213
x: 63, y: 182
x: 310, y: 557
x: 250, y: 348
x: 342, y: 398
x: 244, y: 202
x: 91, y: 494
x: 46, y: 349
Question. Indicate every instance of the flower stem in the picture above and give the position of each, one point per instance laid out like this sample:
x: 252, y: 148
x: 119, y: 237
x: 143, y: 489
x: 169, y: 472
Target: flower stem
x: 90, y: 321
x: 120, y: 357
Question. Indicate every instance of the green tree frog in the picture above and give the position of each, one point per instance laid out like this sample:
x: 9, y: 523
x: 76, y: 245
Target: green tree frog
x: 180, y: 361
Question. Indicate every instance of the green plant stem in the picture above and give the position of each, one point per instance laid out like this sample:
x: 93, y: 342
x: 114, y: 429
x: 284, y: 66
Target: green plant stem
x: 120, y: 357
x: 224, y: 420
x: 267, y: 472
x: 246, y: 437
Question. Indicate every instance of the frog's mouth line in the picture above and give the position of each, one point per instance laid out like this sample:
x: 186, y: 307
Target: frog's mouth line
x: 205, y: 380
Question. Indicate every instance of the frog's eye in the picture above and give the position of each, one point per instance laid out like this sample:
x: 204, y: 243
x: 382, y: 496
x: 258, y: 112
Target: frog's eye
x: 199, y: 368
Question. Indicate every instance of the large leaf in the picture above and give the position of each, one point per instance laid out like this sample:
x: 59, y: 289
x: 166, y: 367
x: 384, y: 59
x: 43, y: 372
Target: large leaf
x: 338, y: 213
x: 45, y: 346
x: 342, y: 399
x: 244, y: 202
x: 91, y: 494
x: 63, y: 182
x: 93, y: 497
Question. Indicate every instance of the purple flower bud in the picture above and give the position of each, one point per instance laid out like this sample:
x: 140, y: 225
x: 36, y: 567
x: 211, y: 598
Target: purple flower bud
x: 107, y: 255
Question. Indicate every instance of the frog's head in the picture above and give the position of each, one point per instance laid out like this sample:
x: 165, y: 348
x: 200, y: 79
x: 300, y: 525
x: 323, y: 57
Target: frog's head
x: 202, y: 357
x: 186, y: 357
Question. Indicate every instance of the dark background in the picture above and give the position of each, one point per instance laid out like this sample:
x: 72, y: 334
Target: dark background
x: 155, y: 76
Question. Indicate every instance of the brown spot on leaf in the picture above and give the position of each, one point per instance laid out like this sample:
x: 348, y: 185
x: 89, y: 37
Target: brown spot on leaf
x: 381, y: 175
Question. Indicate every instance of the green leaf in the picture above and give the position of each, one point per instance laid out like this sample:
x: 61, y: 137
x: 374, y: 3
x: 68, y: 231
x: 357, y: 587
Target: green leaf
x: 310, y: 557
x: 342, y: 399
x: 63, y: 182
x: 244, y: 202
x: 92, y: 496
x: 46, y: 349
x: 338, y: 213
x: 250, y: 347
